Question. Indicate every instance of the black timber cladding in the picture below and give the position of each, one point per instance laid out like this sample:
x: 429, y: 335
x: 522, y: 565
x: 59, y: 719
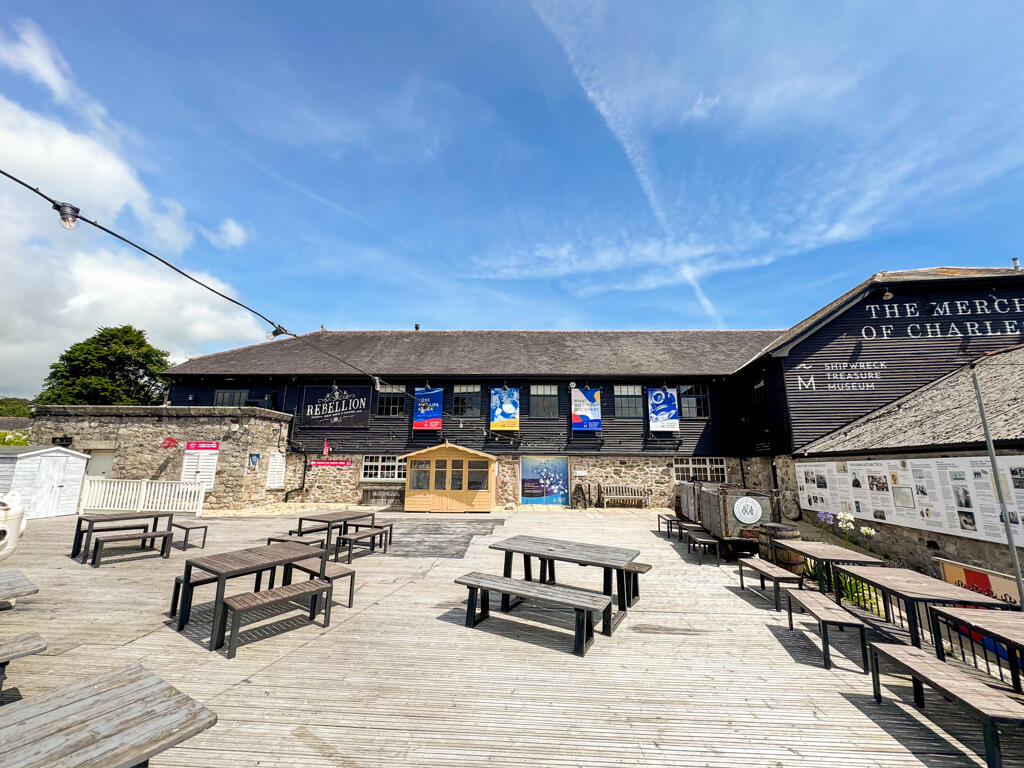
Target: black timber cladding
x: 880, y: 349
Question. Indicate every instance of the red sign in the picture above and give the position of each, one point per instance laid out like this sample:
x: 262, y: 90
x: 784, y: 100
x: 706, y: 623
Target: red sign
x: 331, y: 463
x: 202, y: 446
x: 327, y: 447
x: 169, y: 442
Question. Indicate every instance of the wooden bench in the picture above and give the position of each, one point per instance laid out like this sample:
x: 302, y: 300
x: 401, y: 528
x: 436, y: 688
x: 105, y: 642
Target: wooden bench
x: 989, y: 705
x: 826, y: 612
x: 702, y: 541
x: 372, y: 534
x: 310, y: 540
x: 200, y: 578
x: 16, y: 647
x: 15, y: 584
x: 118, y: 719
x: 188, y: 526
x: 583, y: 602
x: 766, y: 570
x: 101, y: 539
x: 626, y: 494
x: 389, y: 527
x: 239, y: 605
x: 633, y: 571
x: 670, y: 522
x: 308, y: 529
x: 333, y: 572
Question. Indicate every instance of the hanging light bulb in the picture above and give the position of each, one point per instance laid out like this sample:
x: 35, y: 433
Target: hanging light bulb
x: 278, y: 331
x: 68, y: 215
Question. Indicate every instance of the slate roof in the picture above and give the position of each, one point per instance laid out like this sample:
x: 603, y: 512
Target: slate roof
x: 944, y: 412
x: 491, y: 353
x: 879, y: 280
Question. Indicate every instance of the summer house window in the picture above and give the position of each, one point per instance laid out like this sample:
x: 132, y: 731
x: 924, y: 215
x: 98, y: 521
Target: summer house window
x: 629, y: 401
x: 705, y: 468
x: 544, y: 401
x: 383, y: 468
x: 466, y: 402
x: 391, y: 400
x: 694, y: 402
x: 419, y: 475
x: 232, y: 398
x: 477, y: 480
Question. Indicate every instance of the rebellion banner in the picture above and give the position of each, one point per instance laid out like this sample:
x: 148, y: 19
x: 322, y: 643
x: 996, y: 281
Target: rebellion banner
x: 335, y: 406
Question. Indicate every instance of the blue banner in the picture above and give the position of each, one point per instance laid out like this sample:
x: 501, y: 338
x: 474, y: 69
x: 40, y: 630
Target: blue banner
x: 505, y: 408
x: 427, y: 414
x: 663, y: 409
x: 545, y: 481
x: 586, y: 409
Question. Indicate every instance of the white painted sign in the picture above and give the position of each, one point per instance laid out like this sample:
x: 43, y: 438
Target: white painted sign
x: 747, y: 510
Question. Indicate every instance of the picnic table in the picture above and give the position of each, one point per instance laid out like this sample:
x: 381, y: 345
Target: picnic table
x: 118, y: 719
x: 241, y: 562
x: 914, y: 589
x: 15, y: 584
x: 1006, y: 627
x: 826, y: 555
x: 334, y: 520
x: 610, y: 559
x: 83, y: 534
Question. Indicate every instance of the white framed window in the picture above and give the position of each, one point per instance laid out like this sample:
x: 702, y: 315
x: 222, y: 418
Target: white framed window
x: 391, y: 400
x: 629, y: 401
x: 388, y: 469
x: 275, y: 472
x: 544, y: 401
x: 466, y: 401
x: 708, y: 469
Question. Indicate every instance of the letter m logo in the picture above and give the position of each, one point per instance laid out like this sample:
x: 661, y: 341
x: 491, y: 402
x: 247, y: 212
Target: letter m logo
x: 807, y: 383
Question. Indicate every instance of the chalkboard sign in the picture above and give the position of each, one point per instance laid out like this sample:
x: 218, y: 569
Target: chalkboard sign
x: 390, y: 498
x: 335, y: 407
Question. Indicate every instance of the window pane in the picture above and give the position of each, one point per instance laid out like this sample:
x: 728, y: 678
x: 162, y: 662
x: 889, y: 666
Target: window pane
x: 477, y: 479
x: 456, y: 478
x: 628, y: 406
x: 478, y: 465
x: 419, y: 480
x: 390, y: 405
x: 440, y: 474
x: 543, y: 406
x: 466, y: 404
x: 694, y: 402
x: 230, y: 397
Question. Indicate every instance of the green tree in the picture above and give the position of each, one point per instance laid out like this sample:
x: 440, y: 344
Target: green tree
x: 14, y: 406
x: 115, y: 366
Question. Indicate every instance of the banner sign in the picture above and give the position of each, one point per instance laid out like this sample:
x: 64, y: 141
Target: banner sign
x: 544, y: 480
x: 428, y: 408
x: 169, y: 442
x: 505, y: 408
x: 955, y: 495
x: 992, y: 583
x: 331, y: 463
x: 202, y: 446
x: 663, y: 409
x: 586, y: 409
x: 335, y: 406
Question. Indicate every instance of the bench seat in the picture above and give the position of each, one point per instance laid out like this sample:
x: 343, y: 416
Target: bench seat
x: 989, y: 705
x: 372, y: 534
x: 584, y: 602
x: 633, y: 571
x: 188, y: 526
x: 626, y: 493
x: 772, y: 572
x: 670, y: 522
x: 303, y: 539
x: 331, y: 573
x: 102, y: 539
x: 320, y: 528
x: 827, y: 613
x: 238, y: 605
x: 17, y: 647
x: 699, y: 539
x: 200, y: 578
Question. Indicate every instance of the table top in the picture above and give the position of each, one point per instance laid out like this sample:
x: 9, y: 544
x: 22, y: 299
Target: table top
x: 827, y: 553
x: 84, y: 724
x: 1007, y: 626
x: 569, y: 551
x: 916, y: 586
x: 15, y: 584
x: 106, y: 517
x: 335, y: 517
x: 243, y: 561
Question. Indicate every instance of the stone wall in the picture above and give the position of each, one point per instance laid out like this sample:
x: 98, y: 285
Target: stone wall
x: 652, y: 473
x: 136, y: 434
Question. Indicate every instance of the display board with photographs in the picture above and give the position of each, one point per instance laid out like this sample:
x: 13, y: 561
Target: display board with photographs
x: 950, y: 495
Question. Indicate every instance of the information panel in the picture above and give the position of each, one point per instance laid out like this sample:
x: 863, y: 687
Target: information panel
x: 953, y: 495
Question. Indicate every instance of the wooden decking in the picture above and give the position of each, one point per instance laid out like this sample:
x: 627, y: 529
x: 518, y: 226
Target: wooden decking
x: 699, y: 674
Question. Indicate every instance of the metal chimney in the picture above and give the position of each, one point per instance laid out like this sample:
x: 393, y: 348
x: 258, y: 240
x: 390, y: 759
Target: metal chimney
x: 417, y: 326
x: 1016, y: 262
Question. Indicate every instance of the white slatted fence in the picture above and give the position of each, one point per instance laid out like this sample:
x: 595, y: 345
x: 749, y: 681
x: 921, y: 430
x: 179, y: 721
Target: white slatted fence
x: 112, y: 495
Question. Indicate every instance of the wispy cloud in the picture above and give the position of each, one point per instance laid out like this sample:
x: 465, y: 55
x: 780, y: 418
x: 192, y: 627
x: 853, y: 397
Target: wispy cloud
x: 230, y: 234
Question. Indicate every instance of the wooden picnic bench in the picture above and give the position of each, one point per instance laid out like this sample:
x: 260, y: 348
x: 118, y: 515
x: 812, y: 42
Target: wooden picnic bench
x: 188, y: 526
x: 584, y: 602
x: 239, y: 605
x: 670, y: 522
x: 86, y: 525
x: 16, y: 647
x: 389, y: 527
x: 700, y: 540
x: 766, y: 570
x: 826, y: 613
x: 14, y: 584
x: 373, y: 534
x: 626, y: 494
x: 987, y: 704
x: 102, y: 539
x: 200, y: 578
x: 332, y: 572
x: 118, y: 719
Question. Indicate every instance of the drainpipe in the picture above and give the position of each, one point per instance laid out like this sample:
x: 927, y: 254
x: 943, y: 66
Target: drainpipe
x: 302, y: 483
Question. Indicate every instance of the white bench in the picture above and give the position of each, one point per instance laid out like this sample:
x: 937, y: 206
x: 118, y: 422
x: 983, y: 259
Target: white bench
x: 626, y: 495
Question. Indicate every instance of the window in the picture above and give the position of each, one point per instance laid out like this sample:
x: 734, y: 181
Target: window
x: 230, y: 397
x: 440, y: 474
x: 707, y: 469
x: 376, y: 468
x: 694, y: 402
x: 275, y: 471
x: 544, y: 401
x: 466, y: 403
x: 478, y: 471
x: 629, y: 401
x: 456, y: 474
x: 419, y: 475
x: 199, y: 467
x: 391, y: 400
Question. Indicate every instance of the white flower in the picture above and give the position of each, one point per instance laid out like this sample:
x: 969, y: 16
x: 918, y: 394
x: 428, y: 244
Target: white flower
x: 845, y: 525
x: 866, y: 531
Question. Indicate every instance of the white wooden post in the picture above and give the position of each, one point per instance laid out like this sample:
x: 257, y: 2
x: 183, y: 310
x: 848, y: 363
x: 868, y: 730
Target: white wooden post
x: 143, y: 487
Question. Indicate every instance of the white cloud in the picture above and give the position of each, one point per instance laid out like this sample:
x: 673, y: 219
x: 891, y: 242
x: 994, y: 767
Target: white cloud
x: 230, y: 234
x: 59, y: 286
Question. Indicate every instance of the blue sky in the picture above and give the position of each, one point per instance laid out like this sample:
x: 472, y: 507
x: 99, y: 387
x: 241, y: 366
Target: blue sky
x: 495, y: 165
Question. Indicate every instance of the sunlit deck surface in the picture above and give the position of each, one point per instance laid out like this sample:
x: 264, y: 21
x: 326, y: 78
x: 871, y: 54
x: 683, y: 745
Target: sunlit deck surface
x: 698, y: 674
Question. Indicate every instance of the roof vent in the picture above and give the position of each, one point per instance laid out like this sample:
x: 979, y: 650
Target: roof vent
x: 1016, y: 262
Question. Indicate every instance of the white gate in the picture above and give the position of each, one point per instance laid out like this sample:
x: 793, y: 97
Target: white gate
x: 111, y: 495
